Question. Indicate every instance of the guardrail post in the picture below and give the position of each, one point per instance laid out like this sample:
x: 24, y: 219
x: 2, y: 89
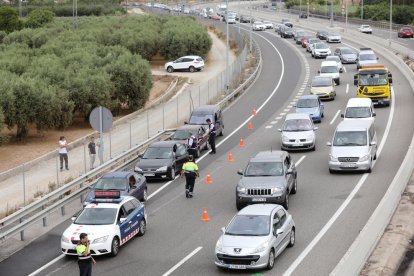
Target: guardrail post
x: 44, y: 219
x: 62, y: 209
x: 57, y: 170
x: 24, y: 187
x: 208, y: 91
x: 177, y: 110
x: 84, y: 156
x: 148, y: 124
x: 81, y: 196
x: 199, y: 95
x: 110, y: 145
x: 163, y: 115
x: 130, y: 134
x: 21, y: 232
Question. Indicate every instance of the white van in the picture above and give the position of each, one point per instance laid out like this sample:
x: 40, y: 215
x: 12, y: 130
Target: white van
x: 330, y: 69
x: 359, y: 109
x: 353, y: 147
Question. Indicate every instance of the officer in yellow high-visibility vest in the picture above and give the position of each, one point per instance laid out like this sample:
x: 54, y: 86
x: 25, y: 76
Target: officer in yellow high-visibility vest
x: 190, y: 170
x: 85, y: 260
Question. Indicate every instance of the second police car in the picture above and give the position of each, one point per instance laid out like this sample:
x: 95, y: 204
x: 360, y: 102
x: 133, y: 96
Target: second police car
x: 110, y: 221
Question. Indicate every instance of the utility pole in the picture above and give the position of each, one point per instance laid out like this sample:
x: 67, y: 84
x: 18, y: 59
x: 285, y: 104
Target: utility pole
x: 251, y: 26
x: 227, y: 45
x: 332, y: 13
x: 362, y: 9
x: 390, y: 22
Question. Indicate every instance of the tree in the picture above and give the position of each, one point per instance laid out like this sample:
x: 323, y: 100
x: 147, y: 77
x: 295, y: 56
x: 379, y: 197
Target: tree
x: 9, y: 19
x: 39, y: 17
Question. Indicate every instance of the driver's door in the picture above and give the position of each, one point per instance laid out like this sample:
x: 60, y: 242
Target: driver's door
x: 178, y: 64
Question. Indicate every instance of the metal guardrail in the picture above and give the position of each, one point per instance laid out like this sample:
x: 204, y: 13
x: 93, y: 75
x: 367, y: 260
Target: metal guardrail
x: 32, y: 213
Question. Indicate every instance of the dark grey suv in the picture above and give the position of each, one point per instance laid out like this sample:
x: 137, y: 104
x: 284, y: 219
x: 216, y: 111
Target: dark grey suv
x: 270, y: 177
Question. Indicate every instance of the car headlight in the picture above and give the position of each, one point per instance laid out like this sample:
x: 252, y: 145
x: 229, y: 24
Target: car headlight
x: 100, y: 240
x: 162, y: 169
x: 277, y: 190
x: 219, y: 246
x: 333, y: 158
x: 261, y: 247
x: 137, y: 169
x: 285, y: 138
x: 64, y: 239
x: 310, y: 137
x: 241, y: 190
x: 364, y: 158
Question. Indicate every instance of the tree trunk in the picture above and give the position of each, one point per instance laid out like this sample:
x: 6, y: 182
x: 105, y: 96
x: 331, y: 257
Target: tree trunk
x: 21, y: 132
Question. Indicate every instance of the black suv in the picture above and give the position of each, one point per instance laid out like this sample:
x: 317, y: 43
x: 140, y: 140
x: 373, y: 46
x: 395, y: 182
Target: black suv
x: 286, y: 31
x: 270, y: 177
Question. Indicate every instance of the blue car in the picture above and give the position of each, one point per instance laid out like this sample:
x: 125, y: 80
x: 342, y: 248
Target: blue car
x: 312, y: 105
x: 128, y: 183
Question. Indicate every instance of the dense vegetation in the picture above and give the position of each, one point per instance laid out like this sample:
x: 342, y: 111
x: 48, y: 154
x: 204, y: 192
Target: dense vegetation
x: 403, y: 11
x: 52, y: 73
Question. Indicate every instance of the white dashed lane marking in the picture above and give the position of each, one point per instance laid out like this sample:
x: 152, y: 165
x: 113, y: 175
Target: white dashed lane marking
x: 268, y: 126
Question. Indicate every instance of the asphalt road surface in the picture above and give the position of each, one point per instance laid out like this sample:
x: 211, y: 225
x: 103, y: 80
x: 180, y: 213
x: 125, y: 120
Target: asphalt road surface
x: 329, y: 210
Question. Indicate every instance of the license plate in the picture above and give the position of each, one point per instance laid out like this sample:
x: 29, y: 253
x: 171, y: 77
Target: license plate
x: 298, y: 145
x: 237, y: 266
x: 348, y: 165
x: 149, y: 174
x: 259, y: 199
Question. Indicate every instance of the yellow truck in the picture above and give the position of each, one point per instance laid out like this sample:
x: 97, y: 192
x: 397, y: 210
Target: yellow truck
x: 374, y: 82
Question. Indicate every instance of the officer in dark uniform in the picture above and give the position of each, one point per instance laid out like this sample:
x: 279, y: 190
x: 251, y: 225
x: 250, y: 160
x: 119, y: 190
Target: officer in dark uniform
x: 212, y: 136
x: 85, y: 260
x: 192, y: 145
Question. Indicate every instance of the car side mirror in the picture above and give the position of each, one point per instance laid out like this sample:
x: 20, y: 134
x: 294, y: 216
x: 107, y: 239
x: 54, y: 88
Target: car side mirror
x: 279, y: 232
x: 315, y: 128
x: 328, y: 144
x: 140, y: 155
x: 240, y: 172
x: 319, y: 71
x: 289, y: 171
x: 73, y: 218
x: 223, y: 230
x: 294, y: 105
x: 122, y: 220
x: 373, y: 143
x: 186, y: 123
x: 341, y: 70
x: 279, y: 130
x: 374, y: 114
x: 377, y: 58
x: 134, y: 187
x: 342, y: 116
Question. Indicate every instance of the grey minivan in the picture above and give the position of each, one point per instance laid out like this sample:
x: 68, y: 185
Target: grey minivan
x: 353, y: 147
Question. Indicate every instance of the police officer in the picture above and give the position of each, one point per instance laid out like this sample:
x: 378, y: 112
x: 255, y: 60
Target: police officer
x: 192, y: 145
x: 85, y: 260
x: 190, y: 170
x: 212, y: 136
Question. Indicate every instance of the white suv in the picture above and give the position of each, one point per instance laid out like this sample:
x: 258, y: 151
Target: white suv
x: 190, y: 63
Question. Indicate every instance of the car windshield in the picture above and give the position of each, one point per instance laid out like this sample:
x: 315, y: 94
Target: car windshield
x: 350, y: 138
x: 249, y: 225
x: 297, y: 125
x: 264, y: 169
x: 200, y: 118
x: 181, y: 134
x: 358, y: 112
x: 333, y: 34
x: 320, y: 46
x: 96, y: 216
x: 320, y: 82
x: 367, y: 57
x: 157, y: 153
x: 373, y: 79
x: 110, y: 184
x: 307, y: 103
x: 329, y: 69
x: 347, y: 51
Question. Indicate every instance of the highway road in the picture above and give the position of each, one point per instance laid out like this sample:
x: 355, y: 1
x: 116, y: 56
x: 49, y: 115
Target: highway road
x: 329, y: 210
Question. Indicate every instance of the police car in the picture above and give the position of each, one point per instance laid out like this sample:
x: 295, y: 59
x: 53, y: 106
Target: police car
x: 110, y: 221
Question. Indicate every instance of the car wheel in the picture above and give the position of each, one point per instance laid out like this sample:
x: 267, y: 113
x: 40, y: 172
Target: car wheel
x: 322, y: 115
x: 295, y: 186
x: 221, y: 132
x: 331, y: 171
x: 172, y: 173
x: 239, y: 205
x: 375, y: 156
x: 292, y: 238
x: 314, y: 147
x: 170, y: 69
x: 271, y: 261
x: 192, y: 69
x: 312, y: 54
x: 115, y: 246
x: 338, y: 82
x: 286, y: 202
x: 142, y: 228
x: 145, y: 195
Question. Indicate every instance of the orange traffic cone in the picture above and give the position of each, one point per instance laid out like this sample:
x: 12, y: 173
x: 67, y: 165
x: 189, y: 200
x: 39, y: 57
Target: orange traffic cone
x: 230, y: 157
x: 205, y: 216
x: 208, y: 179
x: 254, y: 111
x: 241, y: 144
x: 249, y: 125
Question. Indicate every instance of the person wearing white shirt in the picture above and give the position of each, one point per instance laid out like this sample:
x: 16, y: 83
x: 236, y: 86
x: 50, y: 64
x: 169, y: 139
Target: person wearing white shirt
x: 63, y: 153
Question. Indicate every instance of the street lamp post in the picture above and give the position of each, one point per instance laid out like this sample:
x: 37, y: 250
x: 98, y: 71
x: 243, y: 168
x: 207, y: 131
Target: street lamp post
x: 308, y: 8
x: 251, y: 26
x: 227, y: 45
x: 331, y: 13
x: 362, y: 9
x: 390, y: 22
x: 75, y: 13
x: 239, y: 17
x: 346, y: 15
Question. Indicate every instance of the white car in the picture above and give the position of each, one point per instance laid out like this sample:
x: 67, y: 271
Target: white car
x: 330, y: 69
x: 109, y: 224
x: 258, y: 26
x: 186, y: 63
x: 255, y: 237
x: 320, y: 49
x: 268, y: 24
x: 333, y: 37
x: 338, y: 62
x: 298, y: 132
x: 365, y: 29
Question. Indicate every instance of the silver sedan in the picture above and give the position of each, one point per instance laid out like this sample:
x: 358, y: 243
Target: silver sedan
x: 255, y: 237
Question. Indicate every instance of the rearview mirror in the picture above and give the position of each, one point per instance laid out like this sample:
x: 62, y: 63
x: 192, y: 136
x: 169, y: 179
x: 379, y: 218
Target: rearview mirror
x: 240, y: 172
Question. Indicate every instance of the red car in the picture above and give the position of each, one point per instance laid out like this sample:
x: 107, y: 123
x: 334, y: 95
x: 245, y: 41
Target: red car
x: 304, y: 41
x: 406, y: 32
x: 215, y: 17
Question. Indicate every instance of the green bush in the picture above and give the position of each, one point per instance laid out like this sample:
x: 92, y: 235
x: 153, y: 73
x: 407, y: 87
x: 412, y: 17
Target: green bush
x: 9, y: 19
x: 39, y: 17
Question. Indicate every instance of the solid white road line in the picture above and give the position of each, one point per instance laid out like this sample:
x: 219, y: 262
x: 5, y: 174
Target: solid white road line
x: 332, y: 220
x: 347, y: 88
x: 344, y: 68
x: 300, y: 161
x: 334, y: 118
x: 182, y: 261
x: 47, y: 265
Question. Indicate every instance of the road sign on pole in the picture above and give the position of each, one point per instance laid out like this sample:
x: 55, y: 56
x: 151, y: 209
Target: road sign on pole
x: 101, y: 120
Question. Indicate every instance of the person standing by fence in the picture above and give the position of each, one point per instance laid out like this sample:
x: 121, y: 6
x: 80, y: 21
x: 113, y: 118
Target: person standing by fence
x: 63, y: 153
x: 92, y: 152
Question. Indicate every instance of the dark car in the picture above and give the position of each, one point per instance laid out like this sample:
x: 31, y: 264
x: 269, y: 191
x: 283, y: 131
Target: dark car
x: 287, y: 22
x: 303, y: 15
x: 270, y: 177
x: 128, y: 183
x: 245, y: 19
x: 200, y: 133
x: 286, y: 32
x: 162, y: 160
x: 322, y: 34
x: 213, y: 112
x: 406, y: 32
